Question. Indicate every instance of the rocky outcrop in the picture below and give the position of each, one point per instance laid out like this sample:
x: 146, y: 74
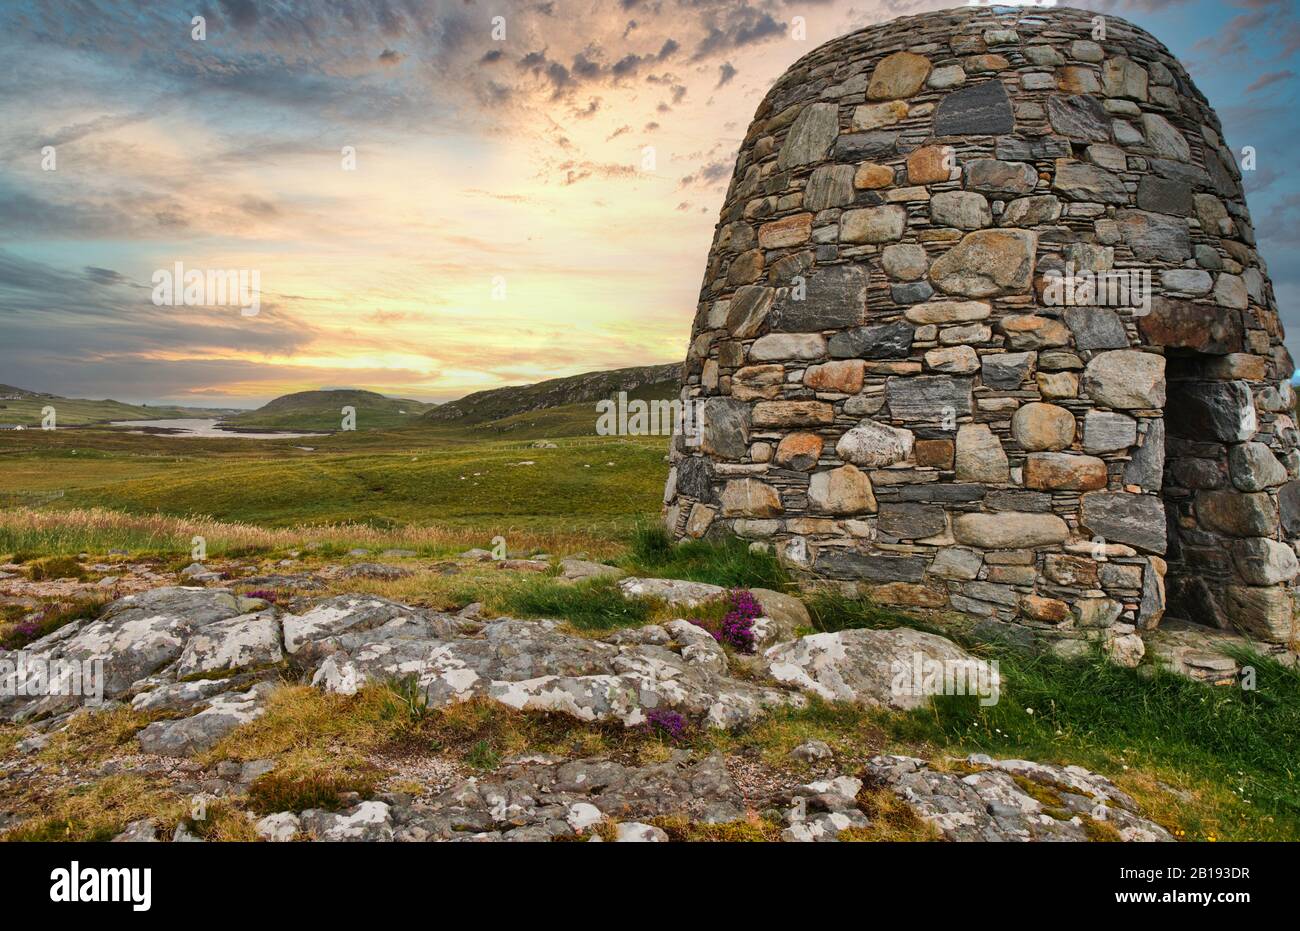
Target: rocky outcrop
x: 542, y: 798
x: 898, y: 668
x: 546, y: 798
x: 201, y: 731
x: 136, y: 636
x: 1014, y: 800
x: 533, y: 666
x: 665, y: 678
x: 203, y: 657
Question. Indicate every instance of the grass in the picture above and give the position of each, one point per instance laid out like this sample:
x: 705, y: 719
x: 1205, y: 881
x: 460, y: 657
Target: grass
x: 222, y: 820
x: 483, y: 733
x: 301, y: 784
x: 385, y: 479
x: 892, y: 820
x: 101, y: 530
x: 595, y: 604
x: 299, y: 717
x: 1115, y: 719
x: 98, y: 811
x: 854, y: 734
x: 55, y: 567
x: 334, y: 734
x: 754, y: 830
x: 729, y: 563
x: 831, y: 611
x: 94, y: 735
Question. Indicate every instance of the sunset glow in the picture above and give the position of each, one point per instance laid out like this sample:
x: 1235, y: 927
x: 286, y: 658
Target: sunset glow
x: 500, y: 225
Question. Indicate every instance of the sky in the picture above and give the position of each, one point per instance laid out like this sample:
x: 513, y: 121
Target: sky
x: 531, y: 192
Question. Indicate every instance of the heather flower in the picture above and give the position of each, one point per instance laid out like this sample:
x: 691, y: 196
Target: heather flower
x: 738, y: 626
x: 264, y: 594
x: 666, y: 723
x: 25, y: 631
x: 738, y: 632
x: 744, y: 604
x: 736, y: 629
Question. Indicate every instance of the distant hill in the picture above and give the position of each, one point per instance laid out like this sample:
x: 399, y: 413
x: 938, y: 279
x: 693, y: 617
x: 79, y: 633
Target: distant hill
x: 553, y: 408
x: 648, y: 382
x: 20, y: 407
x: 322, y: 410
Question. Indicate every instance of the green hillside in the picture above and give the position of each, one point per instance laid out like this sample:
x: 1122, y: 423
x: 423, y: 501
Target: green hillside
x: 577, y: 394
x: 322, y: 410
x: 19, y: 407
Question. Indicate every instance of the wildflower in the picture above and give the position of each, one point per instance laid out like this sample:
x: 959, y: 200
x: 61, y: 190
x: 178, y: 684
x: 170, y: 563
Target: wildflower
x: 737, y: 628
x: 666, y: 723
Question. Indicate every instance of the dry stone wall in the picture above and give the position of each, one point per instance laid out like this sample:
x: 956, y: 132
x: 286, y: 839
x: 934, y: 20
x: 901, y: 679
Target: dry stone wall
x: 902, y: 395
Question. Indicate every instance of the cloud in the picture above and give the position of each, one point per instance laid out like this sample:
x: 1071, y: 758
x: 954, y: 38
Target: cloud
x: 575, y: 171
x: 1265, y: 80
x: 585, y: 68
x: 708, y: 175
x: 242, y: 14
x: 735, y: 28
x: 1260, y: 179
x: 627, y: 66
x: 105, y: 276
x: 1249, y: 35
x: 476, y: 156
x: 1281, y: 223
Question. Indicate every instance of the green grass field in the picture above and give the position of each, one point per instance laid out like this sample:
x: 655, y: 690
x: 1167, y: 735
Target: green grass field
x: 417, y: 476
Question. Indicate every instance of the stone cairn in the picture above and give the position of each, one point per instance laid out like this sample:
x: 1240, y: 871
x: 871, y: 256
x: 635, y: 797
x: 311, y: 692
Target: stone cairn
x: 893, y: 401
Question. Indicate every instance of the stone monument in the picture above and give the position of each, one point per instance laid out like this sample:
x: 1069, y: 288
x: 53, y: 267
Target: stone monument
x: 984, y: 329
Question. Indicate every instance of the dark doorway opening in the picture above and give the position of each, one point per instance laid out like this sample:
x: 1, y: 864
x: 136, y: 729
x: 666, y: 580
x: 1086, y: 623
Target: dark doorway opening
x: 1196, y: 469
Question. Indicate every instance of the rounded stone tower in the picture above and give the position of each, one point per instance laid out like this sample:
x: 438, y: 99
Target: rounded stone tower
x: 983, y: 328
